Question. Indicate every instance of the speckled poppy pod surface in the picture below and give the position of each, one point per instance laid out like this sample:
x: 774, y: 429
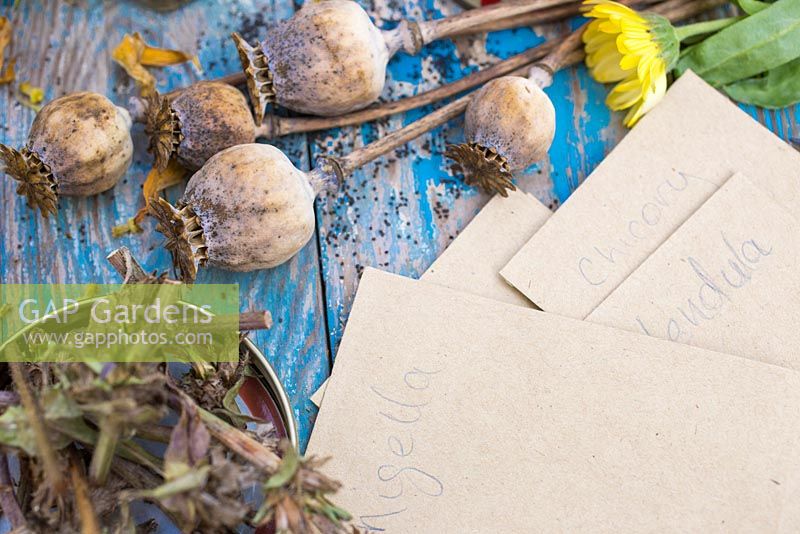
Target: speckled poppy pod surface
x: 199, y: 121
x: 330, y: 58
x: 79, y: 144
x: 510, y: 123
x: 250, y: 208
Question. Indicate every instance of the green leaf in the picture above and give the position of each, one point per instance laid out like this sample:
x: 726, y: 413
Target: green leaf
x: 229, y: 400
x: 779, y: 88
x: 16, y: 430
x: 751, y: 7
x: 754, y: 45
x: 285, y: 472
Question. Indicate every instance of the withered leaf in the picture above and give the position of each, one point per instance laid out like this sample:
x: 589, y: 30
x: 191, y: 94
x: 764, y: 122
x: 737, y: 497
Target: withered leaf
x: 188, y: 443
x: 157, y: 180
x: 7, y: 73
x: 133, y: 55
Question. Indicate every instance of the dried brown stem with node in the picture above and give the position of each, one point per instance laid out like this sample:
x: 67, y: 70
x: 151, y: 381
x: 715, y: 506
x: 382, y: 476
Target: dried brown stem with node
x: 90, y: 524
x: 52, y: 468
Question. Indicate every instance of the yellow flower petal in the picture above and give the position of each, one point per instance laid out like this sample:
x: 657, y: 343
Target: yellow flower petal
x: 162, y: 57
x: 624, y: 95
x: 620, y: 47
x: 34, y: 94
x: 128, y: 54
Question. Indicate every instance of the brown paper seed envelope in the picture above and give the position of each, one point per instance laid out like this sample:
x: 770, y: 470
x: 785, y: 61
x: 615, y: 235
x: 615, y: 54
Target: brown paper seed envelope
x: 473, y: 260
x: 726, y: 280
x: 665, y: 168
x: 453, y: 413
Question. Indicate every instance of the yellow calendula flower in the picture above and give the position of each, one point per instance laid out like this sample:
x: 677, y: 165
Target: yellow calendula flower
x: 634, y: 50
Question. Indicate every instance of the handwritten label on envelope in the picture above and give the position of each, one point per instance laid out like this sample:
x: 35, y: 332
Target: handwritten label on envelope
x: 473, y: 260
x: 453, y: 413
x: 665, y: 168
x: 726, y: 280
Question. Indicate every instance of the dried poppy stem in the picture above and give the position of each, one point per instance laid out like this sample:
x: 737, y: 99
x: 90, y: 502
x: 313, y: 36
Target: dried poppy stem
x: 549, y: 15
x: 90, y: 524
x: 8, y: 499
x: 344, y: 166
x: 51, y: 465
x: 104, y: 449
x: 435, y: 29
x: 677, y: 10
x: 275, y: 126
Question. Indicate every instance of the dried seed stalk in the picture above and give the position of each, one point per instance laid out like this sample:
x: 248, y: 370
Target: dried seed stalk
x: 52, y: 468
x: 90, y: 524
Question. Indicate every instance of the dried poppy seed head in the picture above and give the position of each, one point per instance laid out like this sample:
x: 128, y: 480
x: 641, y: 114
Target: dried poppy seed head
x: 509, y: 118
x: 250, y: 208
x: 202, y: 120
x: 79, y: 144
x: 328, y: 59
x: 213, y: 116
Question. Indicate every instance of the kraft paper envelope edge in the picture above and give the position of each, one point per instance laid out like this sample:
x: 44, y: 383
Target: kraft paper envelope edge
x: 453, y: 413
x: 657, y: 176
x: 725, y: 280
x: 473, y: 260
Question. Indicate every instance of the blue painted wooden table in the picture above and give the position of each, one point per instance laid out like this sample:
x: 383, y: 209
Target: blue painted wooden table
x: 396, y: 214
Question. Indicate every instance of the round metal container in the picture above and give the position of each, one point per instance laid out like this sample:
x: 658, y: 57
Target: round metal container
x: 269, y: 384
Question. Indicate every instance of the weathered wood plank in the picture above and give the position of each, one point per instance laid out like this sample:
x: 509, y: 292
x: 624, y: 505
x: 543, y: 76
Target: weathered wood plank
x: 67, y: 48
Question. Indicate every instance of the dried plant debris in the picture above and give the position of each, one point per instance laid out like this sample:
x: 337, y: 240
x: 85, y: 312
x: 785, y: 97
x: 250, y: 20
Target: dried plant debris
x: 133, y: 55
x: 6, y: 66
x: 80, y: 432
x: 157, y: 180
x: 83, y: 436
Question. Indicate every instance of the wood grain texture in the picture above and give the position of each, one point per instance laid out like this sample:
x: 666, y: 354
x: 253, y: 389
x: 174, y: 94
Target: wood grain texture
x: 66, y: 48
x: 396, y: 214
